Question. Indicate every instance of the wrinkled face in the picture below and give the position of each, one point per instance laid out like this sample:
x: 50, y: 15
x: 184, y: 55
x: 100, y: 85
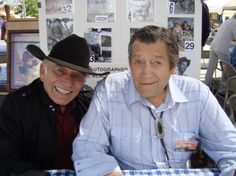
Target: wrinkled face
x: 61, y: 84
x: 150, y: 68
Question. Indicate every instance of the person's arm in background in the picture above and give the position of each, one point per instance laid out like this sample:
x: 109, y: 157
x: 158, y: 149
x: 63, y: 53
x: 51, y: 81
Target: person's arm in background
x: 217, y: 134
x: 91, y: 146
x: 10, y: 144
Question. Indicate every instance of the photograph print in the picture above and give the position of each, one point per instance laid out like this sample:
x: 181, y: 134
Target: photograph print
x: 58, y: 29
x: 140, y: 10
x: 24, y: 67
x: 56, y: 7
x: 183, y: 29
x: 183, y: 65
x: 181, y: 6
x: 101, y: 10
x: 99, y: 40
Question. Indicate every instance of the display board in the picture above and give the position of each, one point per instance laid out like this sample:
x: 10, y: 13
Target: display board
x: 108, y: 24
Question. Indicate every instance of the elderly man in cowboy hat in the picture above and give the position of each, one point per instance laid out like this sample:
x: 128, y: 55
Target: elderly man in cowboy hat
x: 38, y: 122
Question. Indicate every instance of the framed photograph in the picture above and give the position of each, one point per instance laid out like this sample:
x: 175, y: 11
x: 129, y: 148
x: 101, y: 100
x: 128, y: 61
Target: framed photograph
x: 23, y: 67
x: 99, y: 40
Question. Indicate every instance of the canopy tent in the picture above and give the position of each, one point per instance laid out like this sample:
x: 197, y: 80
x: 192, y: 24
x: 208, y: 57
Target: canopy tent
x: 231, y: 5
x: 220, y: 5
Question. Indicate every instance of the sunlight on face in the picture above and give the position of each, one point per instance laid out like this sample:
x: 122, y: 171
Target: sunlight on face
x: 61, y: 84
x: 150, y: 68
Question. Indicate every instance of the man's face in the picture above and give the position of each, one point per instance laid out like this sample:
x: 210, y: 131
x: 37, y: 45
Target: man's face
x: 150, y: 68
x: 183, y: 66
x: 61, y: 84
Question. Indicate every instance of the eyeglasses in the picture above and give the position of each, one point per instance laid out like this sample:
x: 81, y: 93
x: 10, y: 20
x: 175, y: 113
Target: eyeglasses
x: 160, y: 134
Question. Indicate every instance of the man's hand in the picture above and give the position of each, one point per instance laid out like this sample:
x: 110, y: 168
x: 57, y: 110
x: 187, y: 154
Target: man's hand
x: 114, y: 174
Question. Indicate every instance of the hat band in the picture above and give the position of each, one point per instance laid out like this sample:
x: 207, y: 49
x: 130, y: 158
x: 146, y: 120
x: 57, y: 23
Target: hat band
x: 69, y: 65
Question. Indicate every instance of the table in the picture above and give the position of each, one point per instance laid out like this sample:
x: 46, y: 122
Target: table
x: 172, y: 172
x: 152, y: 172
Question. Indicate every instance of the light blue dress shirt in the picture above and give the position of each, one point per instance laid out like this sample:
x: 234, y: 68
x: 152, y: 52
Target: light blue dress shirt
x: 118, y: 131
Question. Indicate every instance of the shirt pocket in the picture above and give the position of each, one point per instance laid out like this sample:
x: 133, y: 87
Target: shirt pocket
x: 180, y: 157
x: 124, y: 141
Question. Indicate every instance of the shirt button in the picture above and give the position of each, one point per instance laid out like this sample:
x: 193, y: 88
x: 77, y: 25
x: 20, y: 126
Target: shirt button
x: 50, y: 106
x: 23, y: 94
x: 53, y: 109
x: 79, y: 170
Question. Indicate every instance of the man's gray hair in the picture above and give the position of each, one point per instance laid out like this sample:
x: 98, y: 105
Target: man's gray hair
x: 152, y: 34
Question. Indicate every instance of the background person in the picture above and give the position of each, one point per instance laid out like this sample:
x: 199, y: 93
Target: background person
x: 206, y: 28
x: 220, y: 47
x: 233, y: 56
x: 38, y: 122
x: 3, y: 22
x: 122, y: 127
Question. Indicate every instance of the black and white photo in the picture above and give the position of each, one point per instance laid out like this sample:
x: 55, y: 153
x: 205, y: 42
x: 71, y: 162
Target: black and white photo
x: 140, y: 10
x: 99, y: 40
x: 58, y: 29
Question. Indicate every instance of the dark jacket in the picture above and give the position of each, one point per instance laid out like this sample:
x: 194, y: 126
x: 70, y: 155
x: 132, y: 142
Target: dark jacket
x: 28, y: 130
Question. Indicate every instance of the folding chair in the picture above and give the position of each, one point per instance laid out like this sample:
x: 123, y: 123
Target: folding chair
x: 230, y: 89
x: 232, y: 107
x: 227, y: 69
x: 230, y: 85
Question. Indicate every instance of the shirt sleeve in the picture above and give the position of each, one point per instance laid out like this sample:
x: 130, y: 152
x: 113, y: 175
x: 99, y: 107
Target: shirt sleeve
x: 91, y: 146
x: 217, y: 133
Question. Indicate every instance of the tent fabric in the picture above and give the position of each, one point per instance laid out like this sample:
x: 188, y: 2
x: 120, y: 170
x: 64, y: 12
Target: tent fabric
x: 220, y: 5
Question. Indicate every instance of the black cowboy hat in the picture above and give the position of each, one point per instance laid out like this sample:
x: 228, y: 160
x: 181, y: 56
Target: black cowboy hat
x: 71, y: 52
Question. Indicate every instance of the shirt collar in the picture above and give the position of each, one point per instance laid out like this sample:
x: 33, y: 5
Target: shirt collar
x: 174, y: 94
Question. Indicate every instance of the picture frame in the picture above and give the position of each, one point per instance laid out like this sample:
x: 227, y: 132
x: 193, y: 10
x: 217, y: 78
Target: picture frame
x: 22, y: 66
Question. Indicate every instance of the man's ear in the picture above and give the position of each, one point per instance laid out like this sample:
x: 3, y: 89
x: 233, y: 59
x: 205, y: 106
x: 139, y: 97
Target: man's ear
x: 173, y: 70
x: 42, y: 71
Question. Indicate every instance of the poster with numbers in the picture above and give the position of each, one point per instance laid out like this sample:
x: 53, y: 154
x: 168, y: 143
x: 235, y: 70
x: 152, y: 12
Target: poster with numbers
x: 109, y: 24
x: 99, y: 40
x: 183, y: 29
x: 181, y: 6
x: 55, y: 7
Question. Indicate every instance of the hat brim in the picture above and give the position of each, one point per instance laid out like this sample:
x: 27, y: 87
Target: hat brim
x: 38, y: 53
x: 75, y: 67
